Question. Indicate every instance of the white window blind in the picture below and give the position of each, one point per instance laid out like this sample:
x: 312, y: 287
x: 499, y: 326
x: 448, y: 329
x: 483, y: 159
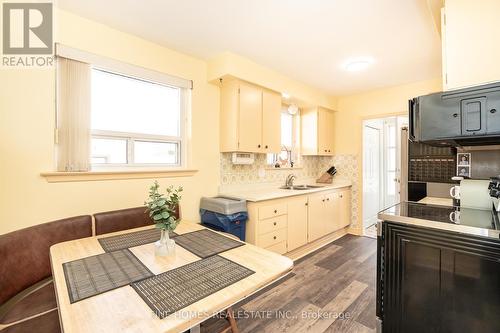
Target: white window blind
x: 135, y: 117
x: 73, y: 120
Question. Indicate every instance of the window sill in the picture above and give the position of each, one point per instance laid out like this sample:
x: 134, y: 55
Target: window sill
x: 59, y: 177
x: 270, y: 167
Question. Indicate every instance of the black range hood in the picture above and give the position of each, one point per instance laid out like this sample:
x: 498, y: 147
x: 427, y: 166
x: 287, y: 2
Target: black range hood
x: 464, y: 117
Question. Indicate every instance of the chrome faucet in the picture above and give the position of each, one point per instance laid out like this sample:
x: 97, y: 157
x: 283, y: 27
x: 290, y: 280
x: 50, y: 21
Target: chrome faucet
x: 289, y: 180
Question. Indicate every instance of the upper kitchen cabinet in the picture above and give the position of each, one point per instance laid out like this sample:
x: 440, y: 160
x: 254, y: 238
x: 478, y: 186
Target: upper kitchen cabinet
x: 317, y: 131
x: 470, y: 36
x: 250, y: 118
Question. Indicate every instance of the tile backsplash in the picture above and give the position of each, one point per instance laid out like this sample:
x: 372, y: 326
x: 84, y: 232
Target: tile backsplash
x: 311, y: 167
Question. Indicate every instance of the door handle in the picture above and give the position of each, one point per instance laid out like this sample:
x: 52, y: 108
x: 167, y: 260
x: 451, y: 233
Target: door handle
x: 493, y: 110
x: 455, y: 115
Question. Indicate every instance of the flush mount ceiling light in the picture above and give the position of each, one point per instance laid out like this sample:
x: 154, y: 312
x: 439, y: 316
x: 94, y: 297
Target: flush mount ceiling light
x: 293, y: 109
x: 356, y: 65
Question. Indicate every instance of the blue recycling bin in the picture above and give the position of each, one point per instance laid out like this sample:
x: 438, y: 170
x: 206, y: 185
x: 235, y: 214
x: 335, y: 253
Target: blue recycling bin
x: 230, y: 223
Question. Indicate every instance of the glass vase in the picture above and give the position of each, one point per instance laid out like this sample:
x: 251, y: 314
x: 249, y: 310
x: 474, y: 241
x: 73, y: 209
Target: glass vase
x: 165, y: 246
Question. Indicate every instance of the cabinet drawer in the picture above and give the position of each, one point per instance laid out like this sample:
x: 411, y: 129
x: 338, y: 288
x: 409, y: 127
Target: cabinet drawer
x: 278, y: 248
x: 272, y: 210
x: 272, y: 224
x: 272, y: 238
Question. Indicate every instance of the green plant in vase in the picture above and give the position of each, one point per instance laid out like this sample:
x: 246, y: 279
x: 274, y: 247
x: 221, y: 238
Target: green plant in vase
x: 163, y: 209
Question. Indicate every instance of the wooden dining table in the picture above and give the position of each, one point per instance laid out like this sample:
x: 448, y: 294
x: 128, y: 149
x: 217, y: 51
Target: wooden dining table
x: 123, y: 310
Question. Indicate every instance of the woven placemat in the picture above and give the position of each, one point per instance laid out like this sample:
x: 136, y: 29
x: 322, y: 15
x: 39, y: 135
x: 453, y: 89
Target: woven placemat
x: 205, y: 243
x: 126, y: 241
x: 173, y: 290
x: 94, y: 275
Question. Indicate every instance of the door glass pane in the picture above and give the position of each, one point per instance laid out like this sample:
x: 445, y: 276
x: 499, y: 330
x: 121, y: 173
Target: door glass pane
x: 391, y: 133
x: 391, y: 184
x: 155, y: 152
x: 391, y: 159
x: 123, y: 104
x: 108, y: 151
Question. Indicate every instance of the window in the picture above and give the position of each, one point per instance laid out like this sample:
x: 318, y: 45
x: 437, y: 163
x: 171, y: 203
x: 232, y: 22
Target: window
x: 288, y: 155
x: 134, y: 122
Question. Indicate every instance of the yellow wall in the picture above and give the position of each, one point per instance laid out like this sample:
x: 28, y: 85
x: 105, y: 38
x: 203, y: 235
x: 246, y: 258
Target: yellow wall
x: 232, y: 64
x: 354, y: 109
x: 27, y: 123
x: 27, y: 114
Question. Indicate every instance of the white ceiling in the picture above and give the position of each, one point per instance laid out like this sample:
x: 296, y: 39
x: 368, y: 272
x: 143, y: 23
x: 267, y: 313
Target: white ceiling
x: 308, y: 40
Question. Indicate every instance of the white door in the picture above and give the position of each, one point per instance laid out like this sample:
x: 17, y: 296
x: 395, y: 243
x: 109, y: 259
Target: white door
x: 371, y: 174
x: 391, y: 141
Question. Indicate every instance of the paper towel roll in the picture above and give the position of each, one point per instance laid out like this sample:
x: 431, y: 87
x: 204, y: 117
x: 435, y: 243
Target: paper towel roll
x: 475, y: 194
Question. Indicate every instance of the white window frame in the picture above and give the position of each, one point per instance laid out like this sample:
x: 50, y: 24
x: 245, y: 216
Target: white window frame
x: 131, y: 137
x: 139, y: 73
x: 295, y: 149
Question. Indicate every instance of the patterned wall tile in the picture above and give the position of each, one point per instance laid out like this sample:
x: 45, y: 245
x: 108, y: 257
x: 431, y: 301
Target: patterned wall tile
x: 311, y: 167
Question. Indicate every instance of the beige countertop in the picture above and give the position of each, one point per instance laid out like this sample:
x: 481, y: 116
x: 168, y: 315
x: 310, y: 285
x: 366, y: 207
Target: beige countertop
x: 274, y: 191
x: 437, y: 201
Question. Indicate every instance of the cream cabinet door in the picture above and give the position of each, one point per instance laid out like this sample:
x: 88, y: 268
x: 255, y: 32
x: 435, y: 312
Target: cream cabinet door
x: 345, y: 208
x: 322, y: 132
x: 470, y: 36
x: 329, y: 132
x: 316, y: 217
x: 271, y: 122
x: 325, y: 132
x: 297, y: 222
x: 250, y: 119
x: 330, y: 214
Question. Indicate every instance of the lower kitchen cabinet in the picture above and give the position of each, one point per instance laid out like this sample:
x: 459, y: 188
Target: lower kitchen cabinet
x: 284, y: 225
x: 316, y: 217
x: 344, y: 209
x: 297, y: 229
x: 437, y: 281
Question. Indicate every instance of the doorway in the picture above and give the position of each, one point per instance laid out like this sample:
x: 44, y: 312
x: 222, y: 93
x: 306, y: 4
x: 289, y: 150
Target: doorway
x: 381, y: 166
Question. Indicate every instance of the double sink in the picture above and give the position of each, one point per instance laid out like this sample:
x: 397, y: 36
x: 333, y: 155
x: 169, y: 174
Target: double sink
x: 300, y: 187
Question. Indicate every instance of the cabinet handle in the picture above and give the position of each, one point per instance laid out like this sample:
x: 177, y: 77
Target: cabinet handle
x: 258, y: 146
x: 455, y: 115
x: 266, y: 147
x: 274, y: 237
x: 493, y: 110
x: 323, y: 200
x: 307, y: 204
x: 327, y: 199
x: 341, y: 196
x: 275, y: 211
x: 274, y: 223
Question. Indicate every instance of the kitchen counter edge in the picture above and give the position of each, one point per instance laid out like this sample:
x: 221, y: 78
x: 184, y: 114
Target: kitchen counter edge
x: 463, y: 229
x: 276, y: 193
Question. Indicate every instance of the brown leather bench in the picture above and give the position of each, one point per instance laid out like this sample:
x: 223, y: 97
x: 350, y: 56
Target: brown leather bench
x: 27, y: 298
x: 123, y: 219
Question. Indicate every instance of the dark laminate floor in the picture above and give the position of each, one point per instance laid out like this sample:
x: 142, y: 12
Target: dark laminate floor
x: 331, y: 290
